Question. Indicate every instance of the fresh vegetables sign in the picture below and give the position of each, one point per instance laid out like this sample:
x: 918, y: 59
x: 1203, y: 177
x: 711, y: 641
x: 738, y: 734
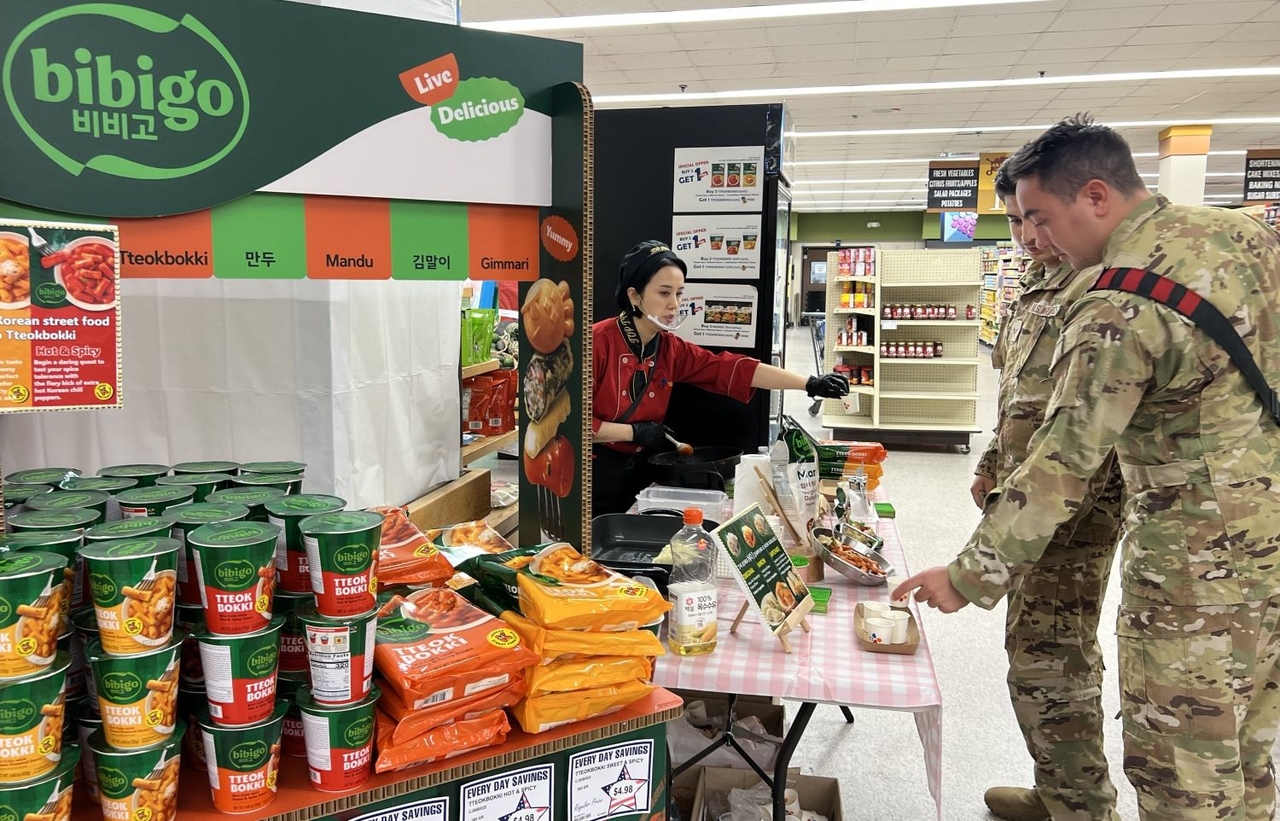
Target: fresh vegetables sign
x: 59, y: 316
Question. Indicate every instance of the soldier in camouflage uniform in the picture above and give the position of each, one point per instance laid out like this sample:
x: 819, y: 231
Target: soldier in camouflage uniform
x: 1055, y: 665
x: 1199, y: 622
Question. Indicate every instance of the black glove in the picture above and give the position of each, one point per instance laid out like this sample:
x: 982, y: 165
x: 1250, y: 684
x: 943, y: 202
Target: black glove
x: 827, y: 386
x: 649, y: 435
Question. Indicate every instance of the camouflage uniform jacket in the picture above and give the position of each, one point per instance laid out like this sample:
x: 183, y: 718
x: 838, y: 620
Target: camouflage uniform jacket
x: 1024, y: 353
x: 1199, y: 454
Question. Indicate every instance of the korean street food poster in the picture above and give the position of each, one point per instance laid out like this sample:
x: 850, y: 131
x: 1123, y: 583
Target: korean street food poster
x: 763, y: 568
x: 59, y: 316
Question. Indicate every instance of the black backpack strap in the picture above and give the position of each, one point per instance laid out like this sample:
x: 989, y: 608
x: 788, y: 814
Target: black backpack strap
x: 1201, y: 312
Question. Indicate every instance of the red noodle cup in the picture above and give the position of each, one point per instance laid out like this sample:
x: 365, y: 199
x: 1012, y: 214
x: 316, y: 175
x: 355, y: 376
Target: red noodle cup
x: 293, y: 638
x: 243, y: 762
x: 235, y: 563
x: 339, y: 655
x: 240, y: 674
x: 339, y: 741
x: 342, y: 552
x: 188, y: 518
x: 291, y: 554
x: 291, y: 737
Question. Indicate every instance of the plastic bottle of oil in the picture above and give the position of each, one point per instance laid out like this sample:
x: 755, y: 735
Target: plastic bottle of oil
x: 691, y: 627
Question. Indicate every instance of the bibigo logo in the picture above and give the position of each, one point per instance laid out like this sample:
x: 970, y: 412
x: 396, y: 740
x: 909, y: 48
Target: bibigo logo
x: 125, y: 91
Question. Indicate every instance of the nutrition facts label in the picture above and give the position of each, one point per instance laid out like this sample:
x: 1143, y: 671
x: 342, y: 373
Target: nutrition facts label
x: 329, y: 649
x: 217, y: 676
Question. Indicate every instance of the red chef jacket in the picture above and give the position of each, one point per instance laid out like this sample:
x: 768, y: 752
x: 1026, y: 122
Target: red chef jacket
x: 668, y: 360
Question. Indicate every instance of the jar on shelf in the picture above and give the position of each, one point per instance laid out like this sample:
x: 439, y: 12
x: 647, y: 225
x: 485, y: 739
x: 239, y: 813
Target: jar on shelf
x: 868, y: 375
x: 951, y: 312
x: 884, y: 350
x: 886, y: 312
x: 937, y: 349
x: 970, y: 312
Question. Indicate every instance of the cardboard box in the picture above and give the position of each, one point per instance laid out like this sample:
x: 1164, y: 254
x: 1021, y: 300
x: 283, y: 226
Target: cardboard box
x: 817, y: 794
x: 465, y: 499
x: 772, y: 716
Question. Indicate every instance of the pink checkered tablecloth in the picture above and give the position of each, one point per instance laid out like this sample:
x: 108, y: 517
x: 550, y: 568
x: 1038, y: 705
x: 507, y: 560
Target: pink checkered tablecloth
x: 828, y: 666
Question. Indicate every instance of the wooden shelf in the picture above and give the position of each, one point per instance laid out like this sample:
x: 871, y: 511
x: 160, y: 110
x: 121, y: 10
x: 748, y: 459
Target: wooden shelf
x: 489, y: 444
x: 505, y: 520
x: 479, y: 369
x: 974, y: 284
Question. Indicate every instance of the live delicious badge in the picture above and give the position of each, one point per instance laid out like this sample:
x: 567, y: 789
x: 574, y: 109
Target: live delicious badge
x: 59, y: 316
x: 764, y: 571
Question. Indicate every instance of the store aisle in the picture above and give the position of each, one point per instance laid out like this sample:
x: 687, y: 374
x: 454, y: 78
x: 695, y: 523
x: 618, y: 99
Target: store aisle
x: 878, y: 759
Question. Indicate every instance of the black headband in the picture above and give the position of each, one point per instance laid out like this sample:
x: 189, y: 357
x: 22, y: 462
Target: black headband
x: 639, y: 266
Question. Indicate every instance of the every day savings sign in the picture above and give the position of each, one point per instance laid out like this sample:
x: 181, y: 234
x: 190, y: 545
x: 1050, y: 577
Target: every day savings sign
x: 150, y: 108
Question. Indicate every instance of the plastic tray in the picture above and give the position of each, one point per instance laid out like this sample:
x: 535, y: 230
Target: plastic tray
x: 711, y: 502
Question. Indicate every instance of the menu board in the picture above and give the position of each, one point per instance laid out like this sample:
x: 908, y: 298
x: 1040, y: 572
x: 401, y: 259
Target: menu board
x: 719, y: 314
x: 953, y: 186
x: 719, y: 179
x: 764, y: 571
x: 1262, y: 175
x: 719, y: 246
x: 59, y: 316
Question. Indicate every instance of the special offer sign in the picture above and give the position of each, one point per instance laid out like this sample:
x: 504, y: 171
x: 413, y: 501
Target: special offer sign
x: 59, y: 316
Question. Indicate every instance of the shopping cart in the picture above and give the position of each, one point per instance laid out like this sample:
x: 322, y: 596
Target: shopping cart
x: 817, y: 327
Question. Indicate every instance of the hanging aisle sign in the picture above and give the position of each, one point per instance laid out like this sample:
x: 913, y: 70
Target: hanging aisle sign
x: 953, y: 186
x: 59, y: 316
x: 1262, y: 175
x: 988, y: 166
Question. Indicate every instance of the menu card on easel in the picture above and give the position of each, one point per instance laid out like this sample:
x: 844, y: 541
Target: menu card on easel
x: 764, y: 572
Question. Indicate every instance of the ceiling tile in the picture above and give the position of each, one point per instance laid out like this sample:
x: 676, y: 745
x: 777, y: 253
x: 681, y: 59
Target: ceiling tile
x: 925, y: 29
x: 1218, y: 12
x: 1177, y: 35
x: 793, y: 35
x: 1067, y: 40
x: 1003, y: 25
x: 1117, y: 17
x: 1256, y: 31
x: 752, y: 36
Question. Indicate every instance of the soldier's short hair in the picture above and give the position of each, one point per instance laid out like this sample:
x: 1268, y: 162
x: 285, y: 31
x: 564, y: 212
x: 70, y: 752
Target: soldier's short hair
x: 1006, y: 186
x: 1073, y: 152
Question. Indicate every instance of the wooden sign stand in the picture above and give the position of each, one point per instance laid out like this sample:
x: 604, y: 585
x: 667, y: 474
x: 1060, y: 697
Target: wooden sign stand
x: 800, y: 617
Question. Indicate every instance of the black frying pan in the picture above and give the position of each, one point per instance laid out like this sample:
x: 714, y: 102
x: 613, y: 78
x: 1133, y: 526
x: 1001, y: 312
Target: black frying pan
x: 707, y: 468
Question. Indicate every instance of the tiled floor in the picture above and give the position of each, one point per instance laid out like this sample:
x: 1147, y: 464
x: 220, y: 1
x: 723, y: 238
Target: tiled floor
x: 878, y: 758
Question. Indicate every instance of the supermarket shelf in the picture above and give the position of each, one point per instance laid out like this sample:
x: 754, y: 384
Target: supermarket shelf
x: 505, y: 520
x: 953, y: 323
x: 856, y: 279
x: 863, y: 390
x: 974, y: 284
x: 859, y: 311
x: 940, y: 427
x: 857, y: 349
x: 487, y: 445
x: 959, y: 397
x: 936, y: 360
x: 480, y: 368
x: 846, y: 420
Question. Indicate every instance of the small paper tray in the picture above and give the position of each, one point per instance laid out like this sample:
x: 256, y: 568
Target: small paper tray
x: 864, y: 638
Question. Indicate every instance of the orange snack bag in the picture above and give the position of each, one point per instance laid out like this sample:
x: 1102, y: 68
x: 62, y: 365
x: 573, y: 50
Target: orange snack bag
x: 556, y: 644
x: 433, y: 647
x: 567, y: 675
x: 485, y: 730
x: 537, y: 714
x: 475, y: 534
x: 412, y: 723
x: 563, y: 590
x: 406, y: 555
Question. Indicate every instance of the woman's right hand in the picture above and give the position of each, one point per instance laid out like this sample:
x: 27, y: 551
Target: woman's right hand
x: 649, y: 435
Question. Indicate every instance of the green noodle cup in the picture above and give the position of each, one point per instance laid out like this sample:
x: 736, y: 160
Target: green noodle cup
x: 186, y: 519
x: 85, y: 727
x: 105, y: 484
x: 340, y: 655
x: 145, y: 474
x: 342, y: 554
x: 243, y: 762
x: 292, y: 739
x: 31, y: 722
x: 293, y: 640
x: 204, y: 483
x: 31, y: 618
x: 291, y: 554
x: 339, y: 741
x: 16, y: 496
x: 133, y: 584
x: 145, y: 527
x: 137, y: 695
x: 229, y: 468
x: 77, y: 519
x: 254, y: 498
x: 291, y: 468
x: 65, y: 543
x: 35, y: 799
x: 288, y: 482
x: 235, y: 565
x: 69, y: 499
x: 153, y: 501
x: 240, y: 674
x: 41, y: 476
x: 138, y: 784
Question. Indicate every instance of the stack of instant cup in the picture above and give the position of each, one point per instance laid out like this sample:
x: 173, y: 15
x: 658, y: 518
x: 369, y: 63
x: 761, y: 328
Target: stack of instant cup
x: 327, y: 562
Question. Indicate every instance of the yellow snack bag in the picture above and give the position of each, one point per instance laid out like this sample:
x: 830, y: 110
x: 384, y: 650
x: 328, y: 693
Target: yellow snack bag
x: 556, y: 644
x: 546, y: 712
x: 567, y: 675
x: 563, y: 590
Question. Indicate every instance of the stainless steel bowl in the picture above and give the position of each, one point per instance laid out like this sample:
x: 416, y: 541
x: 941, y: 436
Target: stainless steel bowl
x: 844, y: 568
